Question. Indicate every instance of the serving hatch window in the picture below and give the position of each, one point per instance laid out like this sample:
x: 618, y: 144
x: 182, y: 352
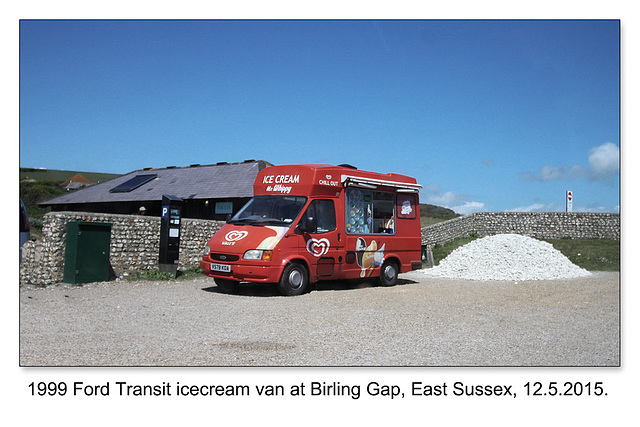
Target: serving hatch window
x: 370, y: 212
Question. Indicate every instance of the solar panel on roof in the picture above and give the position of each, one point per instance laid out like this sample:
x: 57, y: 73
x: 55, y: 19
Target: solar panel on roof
x: 133, y: 183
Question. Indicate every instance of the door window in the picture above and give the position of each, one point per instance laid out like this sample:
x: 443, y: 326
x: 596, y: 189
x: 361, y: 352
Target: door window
x: 325, y: 214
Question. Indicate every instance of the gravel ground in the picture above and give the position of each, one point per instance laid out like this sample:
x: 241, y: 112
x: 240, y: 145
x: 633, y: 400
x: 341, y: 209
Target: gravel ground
x: 420, y: 322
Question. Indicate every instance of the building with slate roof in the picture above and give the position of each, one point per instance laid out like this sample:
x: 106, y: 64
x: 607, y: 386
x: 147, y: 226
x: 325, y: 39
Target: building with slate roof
x: 208, y: 191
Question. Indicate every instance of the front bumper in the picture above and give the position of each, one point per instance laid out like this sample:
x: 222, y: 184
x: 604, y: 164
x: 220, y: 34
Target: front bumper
x: 256, y: 271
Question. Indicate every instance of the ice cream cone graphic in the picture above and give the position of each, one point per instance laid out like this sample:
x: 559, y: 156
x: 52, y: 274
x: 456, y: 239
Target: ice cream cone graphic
x: 368, y: 259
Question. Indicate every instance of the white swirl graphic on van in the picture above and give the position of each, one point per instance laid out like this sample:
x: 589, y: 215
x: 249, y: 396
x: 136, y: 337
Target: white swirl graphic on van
x: 234, y: 236
x: 317, y: 247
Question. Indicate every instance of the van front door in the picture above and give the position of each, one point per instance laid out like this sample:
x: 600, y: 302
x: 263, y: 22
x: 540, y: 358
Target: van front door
x: 320, y: 242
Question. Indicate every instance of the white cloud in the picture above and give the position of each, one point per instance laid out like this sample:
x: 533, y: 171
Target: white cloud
x: 553, y: 207
x: 592, y: 209
x: 603, y: 163
x: 458, y: 203
x: 468, y: 207
x: 555, y: 173
x: 431, y: 188
x: 596, y: 207
x: 446, y: 199
x: 536, y: 207
x: 528, y: 176
x: 552, y: 173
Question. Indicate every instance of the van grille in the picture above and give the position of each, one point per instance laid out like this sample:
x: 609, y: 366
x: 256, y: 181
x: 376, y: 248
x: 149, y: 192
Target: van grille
x: 224, y: 257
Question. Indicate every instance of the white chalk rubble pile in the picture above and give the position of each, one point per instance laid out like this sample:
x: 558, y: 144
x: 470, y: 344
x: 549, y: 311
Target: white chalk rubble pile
x: 506, y: 257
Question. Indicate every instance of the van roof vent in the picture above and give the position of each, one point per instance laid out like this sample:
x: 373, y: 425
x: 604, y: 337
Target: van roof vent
x: 346, y: 165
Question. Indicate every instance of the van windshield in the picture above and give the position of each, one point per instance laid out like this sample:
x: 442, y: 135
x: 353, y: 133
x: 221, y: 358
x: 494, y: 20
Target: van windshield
x: 270, y: 210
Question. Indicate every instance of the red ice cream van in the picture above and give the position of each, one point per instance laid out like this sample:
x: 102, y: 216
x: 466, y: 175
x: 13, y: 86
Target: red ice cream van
x: 308, y: 223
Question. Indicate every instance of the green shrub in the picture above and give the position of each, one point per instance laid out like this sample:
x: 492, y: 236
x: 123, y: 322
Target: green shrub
x: 152, y: 275
x: 190, y: 273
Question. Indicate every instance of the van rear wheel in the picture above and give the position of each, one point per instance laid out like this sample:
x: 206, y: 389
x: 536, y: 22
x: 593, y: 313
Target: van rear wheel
x: 294, y: 280
x: 389, y: 274
x: 225, y: 285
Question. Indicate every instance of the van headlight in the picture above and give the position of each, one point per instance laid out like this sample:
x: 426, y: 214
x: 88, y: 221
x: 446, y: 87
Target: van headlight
x: 207, y: 250
x: 258, y: 254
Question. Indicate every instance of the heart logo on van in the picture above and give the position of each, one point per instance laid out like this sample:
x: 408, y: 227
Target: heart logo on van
x: 234, y: 236
x: 317, y: 247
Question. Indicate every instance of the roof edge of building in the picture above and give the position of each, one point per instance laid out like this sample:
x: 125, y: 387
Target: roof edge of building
x: 261, y: 164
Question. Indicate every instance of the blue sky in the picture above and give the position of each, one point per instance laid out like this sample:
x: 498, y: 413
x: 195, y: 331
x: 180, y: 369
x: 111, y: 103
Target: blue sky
x: 487, y: 115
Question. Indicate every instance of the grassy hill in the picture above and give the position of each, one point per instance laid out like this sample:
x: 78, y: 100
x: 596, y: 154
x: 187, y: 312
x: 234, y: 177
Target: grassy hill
x: 60, y: 176
x: 38, y: 185
x: 432, y: 214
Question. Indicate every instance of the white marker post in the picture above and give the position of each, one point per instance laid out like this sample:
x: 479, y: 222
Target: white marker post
x: 569, y: 201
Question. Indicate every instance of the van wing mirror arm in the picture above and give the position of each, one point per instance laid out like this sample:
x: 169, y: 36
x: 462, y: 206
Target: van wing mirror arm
x: 307, y: 224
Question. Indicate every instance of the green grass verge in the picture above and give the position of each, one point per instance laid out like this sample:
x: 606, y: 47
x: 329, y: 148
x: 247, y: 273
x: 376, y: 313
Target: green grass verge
x: 188, y: 274
x: 591, y: 254
x: 427, y: 221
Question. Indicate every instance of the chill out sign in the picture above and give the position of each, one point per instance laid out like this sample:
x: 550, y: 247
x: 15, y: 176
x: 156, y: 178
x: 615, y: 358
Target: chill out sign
x: 279, y: 183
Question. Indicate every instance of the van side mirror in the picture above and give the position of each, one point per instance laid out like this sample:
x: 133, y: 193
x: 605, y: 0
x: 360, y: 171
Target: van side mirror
x: 308, y: 224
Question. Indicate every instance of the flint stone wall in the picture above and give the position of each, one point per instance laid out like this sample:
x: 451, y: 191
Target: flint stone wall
x: 135, y: 244
x: 135, y: 240
x: 540, y: 225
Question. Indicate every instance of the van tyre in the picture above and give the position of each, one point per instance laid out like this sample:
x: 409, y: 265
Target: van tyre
x: 294, y: 280
x: 227, y: 286
x: 389, y: 273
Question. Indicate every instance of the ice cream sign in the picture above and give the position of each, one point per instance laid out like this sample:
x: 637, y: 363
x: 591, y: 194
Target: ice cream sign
x: 318, y: 247
x: 369, y: 256
x: 277, y: 183
x: 233, y: 236
x: 406, y: 208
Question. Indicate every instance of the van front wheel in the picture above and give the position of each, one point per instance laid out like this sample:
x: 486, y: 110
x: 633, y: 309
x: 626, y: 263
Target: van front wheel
x: 225, y: 285
x: 294, y: 280
x: 389, y: 274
